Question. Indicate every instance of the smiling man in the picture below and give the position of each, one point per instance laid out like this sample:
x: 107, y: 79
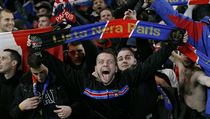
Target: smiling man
x: 125, y: 59
x: 6, y: 21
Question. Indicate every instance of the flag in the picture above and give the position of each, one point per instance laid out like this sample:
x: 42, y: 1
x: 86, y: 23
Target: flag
x: 186, y: 2
x: 17, y: 40
x: 117, y: 28
x: 191, y: 2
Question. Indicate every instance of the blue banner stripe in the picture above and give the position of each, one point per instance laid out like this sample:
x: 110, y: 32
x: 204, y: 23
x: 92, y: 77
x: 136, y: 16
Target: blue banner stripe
x: 86, y: 32
x: 106, y: 94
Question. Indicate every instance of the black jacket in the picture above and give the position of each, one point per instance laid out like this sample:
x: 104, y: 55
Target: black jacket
x: 112, y: 101
x: 55, y: 95
x: 7, y: 88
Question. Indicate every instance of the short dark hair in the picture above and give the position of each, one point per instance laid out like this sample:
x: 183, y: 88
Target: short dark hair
x: 74, y: 43
x: 108, y: 51
x: 14, y: 56
x: 126, y: 48
x: 108, y: 9
x: 34, y: 60
x: 43, y: 4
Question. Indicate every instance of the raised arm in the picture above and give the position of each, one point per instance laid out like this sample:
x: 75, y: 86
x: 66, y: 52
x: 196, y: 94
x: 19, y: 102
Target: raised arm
x: 91, y: 52
x: 203, y: 79
x: 197, y: 31
x: 155, y: 61
x: 169, y: 15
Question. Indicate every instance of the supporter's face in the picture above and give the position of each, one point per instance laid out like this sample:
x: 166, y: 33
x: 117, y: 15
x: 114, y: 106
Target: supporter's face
x: 40, y: 73
x: 106, y: 15
x: 125, y: 59
x: 76, y: 54
x: 5, y: 62
x: 44, y: 22
x: 99, y: 5
x: 105, y: 67
x: 6, y: 22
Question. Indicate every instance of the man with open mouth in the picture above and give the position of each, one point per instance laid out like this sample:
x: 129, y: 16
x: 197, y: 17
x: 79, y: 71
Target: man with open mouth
x: 107, y: 91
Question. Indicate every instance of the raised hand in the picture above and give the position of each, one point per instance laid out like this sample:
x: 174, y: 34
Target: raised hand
x: 177, y: 36
x: 130, y: 14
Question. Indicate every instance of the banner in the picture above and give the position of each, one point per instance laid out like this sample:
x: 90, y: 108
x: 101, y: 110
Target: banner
x: 117, y: 28
x: 178, y: 2
x: 18, y: 41
x: 191, y: 2
x: 46, y: 38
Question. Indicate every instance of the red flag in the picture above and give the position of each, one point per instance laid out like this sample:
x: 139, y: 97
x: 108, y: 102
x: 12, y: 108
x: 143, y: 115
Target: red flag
x: 18, y: 40
x: 191, y: 2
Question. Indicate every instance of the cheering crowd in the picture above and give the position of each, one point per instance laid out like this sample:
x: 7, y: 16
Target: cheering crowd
x: 113, y: 78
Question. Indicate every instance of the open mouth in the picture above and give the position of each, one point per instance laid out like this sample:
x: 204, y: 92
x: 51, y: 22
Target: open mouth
x: 105, y: 76
x: 99, y: 8
x: 105, y: 72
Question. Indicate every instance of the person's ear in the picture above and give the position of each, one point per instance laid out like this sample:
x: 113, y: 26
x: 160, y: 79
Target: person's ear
x: 135, y: 61
x: 14, y: 63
